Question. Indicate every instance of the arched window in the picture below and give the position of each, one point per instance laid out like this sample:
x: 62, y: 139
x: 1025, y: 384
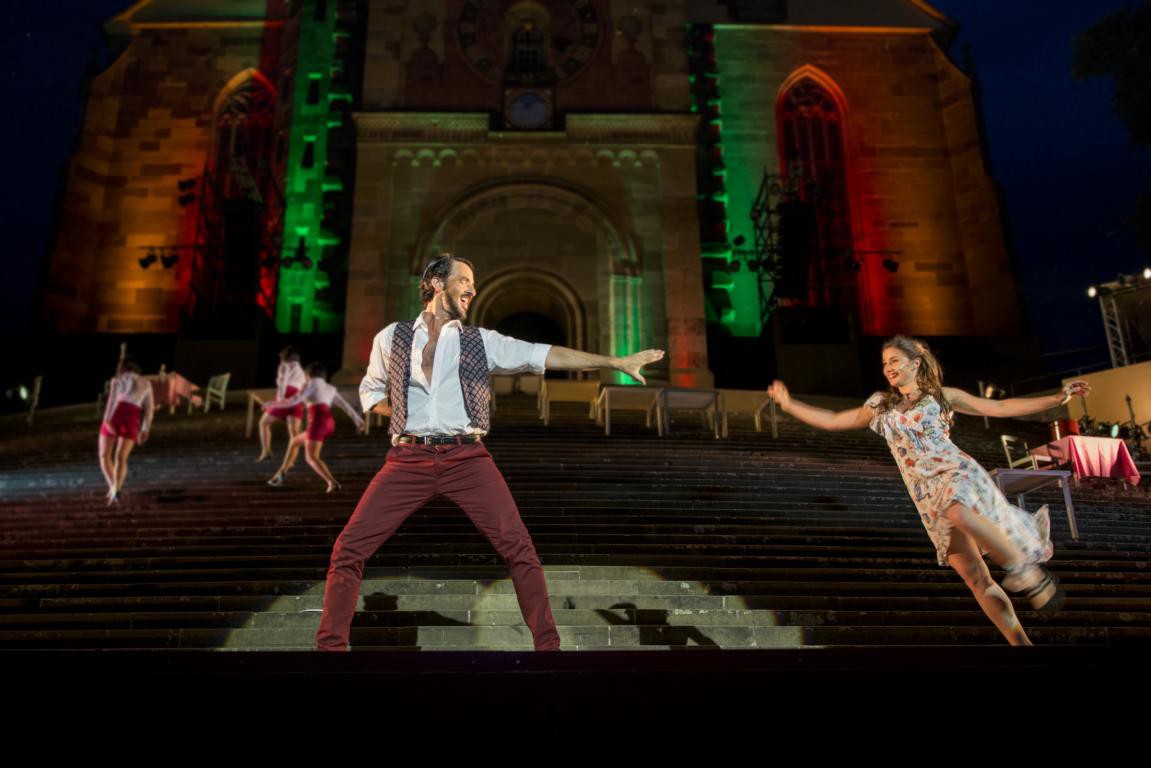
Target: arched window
x: 245, y: 139
x: 527, y: 30
x: 811, y: 147
x: 241, y: 207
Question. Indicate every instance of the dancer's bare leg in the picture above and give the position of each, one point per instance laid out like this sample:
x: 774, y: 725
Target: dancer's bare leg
x: 107, y: 451
x: 294, y: 446
x: 312, y: 455
x: 294, y: 426
x: 963, y: 555
x: 124, y: 447
x: 266, y: 436
x: 1000, y: 548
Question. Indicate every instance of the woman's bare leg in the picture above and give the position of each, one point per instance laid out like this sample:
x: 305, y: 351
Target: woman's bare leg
x: 294, y: 426
x: 124, y: 447
x: 107, y: 452
x: 312, y: 456
x: 963, y: 555
x: 289, y: 458
x: 265, y: 436
x: 1003, y: 551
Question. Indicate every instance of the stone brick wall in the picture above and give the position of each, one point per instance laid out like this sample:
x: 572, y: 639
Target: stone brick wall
x: 148, y: 125
x: 916, y: 180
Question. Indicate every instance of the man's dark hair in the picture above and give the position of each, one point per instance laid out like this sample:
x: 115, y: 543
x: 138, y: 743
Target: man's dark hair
x: 289, y: 353
x: 318, y: 370
x: 130, y: 366
x: 438, y: 268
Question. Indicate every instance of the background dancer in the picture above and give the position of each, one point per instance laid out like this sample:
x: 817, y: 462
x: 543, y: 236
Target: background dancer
x: 319, y: 395
x: 963, y: 511
x: 290, y: 379
x: 434, y: 374
x: 127, y: 420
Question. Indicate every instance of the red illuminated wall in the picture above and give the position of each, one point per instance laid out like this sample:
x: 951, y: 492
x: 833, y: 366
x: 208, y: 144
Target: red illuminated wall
x: 148, y: 125
x: 916, y: 181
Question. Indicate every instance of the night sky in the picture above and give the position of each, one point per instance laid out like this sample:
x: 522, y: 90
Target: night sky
x: 1070, y: 175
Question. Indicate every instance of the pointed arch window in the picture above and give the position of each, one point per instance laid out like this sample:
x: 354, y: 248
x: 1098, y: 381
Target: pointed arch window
x: 811, y: 146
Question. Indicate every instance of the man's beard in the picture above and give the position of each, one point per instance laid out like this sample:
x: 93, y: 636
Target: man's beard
x: 454, y: 309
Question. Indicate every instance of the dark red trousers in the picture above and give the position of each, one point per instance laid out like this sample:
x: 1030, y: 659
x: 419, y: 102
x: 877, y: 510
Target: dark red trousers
x: 412, y: 476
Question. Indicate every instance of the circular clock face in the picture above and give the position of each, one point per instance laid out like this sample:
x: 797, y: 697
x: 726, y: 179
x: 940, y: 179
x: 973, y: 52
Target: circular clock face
x: 572, y: 36
x: 528, y: 110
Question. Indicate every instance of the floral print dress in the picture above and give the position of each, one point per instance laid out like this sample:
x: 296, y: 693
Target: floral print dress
x: 938, y: 474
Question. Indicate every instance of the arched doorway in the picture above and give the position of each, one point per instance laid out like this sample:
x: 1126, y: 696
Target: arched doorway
x: 550, y: 251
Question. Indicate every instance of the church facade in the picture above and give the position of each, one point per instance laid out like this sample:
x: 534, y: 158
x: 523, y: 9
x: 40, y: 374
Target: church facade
x: 622, y: 174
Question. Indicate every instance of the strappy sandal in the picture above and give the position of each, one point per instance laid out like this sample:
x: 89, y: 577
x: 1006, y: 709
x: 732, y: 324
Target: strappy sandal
x: 1045, y: 595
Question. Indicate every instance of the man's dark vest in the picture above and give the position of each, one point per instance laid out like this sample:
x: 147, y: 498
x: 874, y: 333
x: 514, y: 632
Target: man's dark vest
x: 474, y: 376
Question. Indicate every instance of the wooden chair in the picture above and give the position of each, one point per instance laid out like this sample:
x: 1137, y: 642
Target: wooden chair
x: 1024, y: 475
x: 753, y: 402
x: 705, y: 402
x: 215, y: 392
x: 1019, y: 454
x: 615, y: 398
x: 34, y: 398
x: 557, y: 391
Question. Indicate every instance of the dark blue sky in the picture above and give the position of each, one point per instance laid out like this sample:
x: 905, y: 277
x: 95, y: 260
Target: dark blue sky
x: 1070, y: 176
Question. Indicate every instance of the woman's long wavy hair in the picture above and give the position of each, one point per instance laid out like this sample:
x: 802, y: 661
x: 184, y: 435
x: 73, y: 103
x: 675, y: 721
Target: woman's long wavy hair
x: 929, y: 378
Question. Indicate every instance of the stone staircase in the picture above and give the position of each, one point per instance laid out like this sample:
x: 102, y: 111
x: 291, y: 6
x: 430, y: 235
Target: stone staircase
x: 648, y: 543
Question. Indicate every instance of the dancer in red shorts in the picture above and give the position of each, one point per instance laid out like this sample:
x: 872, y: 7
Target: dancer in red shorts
x: 127, y: 419
x: 319, y: 395
x: 290, y: 380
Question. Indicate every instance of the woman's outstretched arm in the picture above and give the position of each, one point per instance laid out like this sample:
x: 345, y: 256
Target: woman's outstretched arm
x: 820, y: 418
x: 965, y: 402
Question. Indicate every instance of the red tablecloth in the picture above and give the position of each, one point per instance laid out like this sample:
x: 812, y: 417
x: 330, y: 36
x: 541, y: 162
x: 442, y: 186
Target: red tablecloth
x: 1093, y: 456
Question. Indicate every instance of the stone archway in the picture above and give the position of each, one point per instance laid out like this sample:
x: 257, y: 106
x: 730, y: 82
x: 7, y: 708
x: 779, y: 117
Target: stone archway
x: 549, y: 249
x: 516, y: 294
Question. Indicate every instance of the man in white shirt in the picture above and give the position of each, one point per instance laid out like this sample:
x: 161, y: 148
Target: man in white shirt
x: 431, y: 376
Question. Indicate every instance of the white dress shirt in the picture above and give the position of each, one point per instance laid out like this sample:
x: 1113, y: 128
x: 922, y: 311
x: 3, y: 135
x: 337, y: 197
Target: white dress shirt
x: 436, y: 407
x: 289, y: 374
x: 130, y: 388
x: 319, y: 392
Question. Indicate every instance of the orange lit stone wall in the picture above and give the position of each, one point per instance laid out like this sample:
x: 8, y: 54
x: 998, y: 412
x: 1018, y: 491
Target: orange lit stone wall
x: 916, y: 179
x: 148, y: 125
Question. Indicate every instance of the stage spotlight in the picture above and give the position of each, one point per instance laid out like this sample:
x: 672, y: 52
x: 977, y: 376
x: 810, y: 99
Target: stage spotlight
x: 1092, y: 292
x: 169, y: 258
x: 148, y: 260
x: 1147, y: 273
x: 993, y: 392
x: 891, y: 265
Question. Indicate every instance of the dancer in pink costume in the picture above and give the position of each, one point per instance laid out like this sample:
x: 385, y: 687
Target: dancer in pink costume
x: 127, y: 421
x: 319, y: 396
x: 290, y: 380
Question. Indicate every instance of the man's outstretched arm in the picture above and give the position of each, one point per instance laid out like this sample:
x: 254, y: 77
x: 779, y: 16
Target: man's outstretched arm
x: 566, y: 359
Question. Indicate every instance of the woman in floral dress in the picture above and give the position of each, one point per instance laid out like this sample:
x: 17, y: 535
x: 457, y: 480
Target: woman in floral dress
x: 963, y: 511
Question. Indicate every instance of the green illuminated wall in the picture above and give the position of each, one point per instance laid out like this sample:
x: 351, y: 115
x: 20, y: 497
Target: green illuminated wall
x: 315, y: 233
x: 732, y: 292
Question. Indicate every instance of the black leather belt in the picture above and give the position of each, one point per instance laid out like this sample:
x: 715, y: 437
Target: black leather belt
x: 436, y: 439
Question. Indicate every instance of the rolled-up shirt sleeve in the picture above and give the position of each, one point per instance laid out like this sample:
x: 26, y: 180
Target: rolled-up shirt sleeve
x: 374, y: 387
x: 508, y: 355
